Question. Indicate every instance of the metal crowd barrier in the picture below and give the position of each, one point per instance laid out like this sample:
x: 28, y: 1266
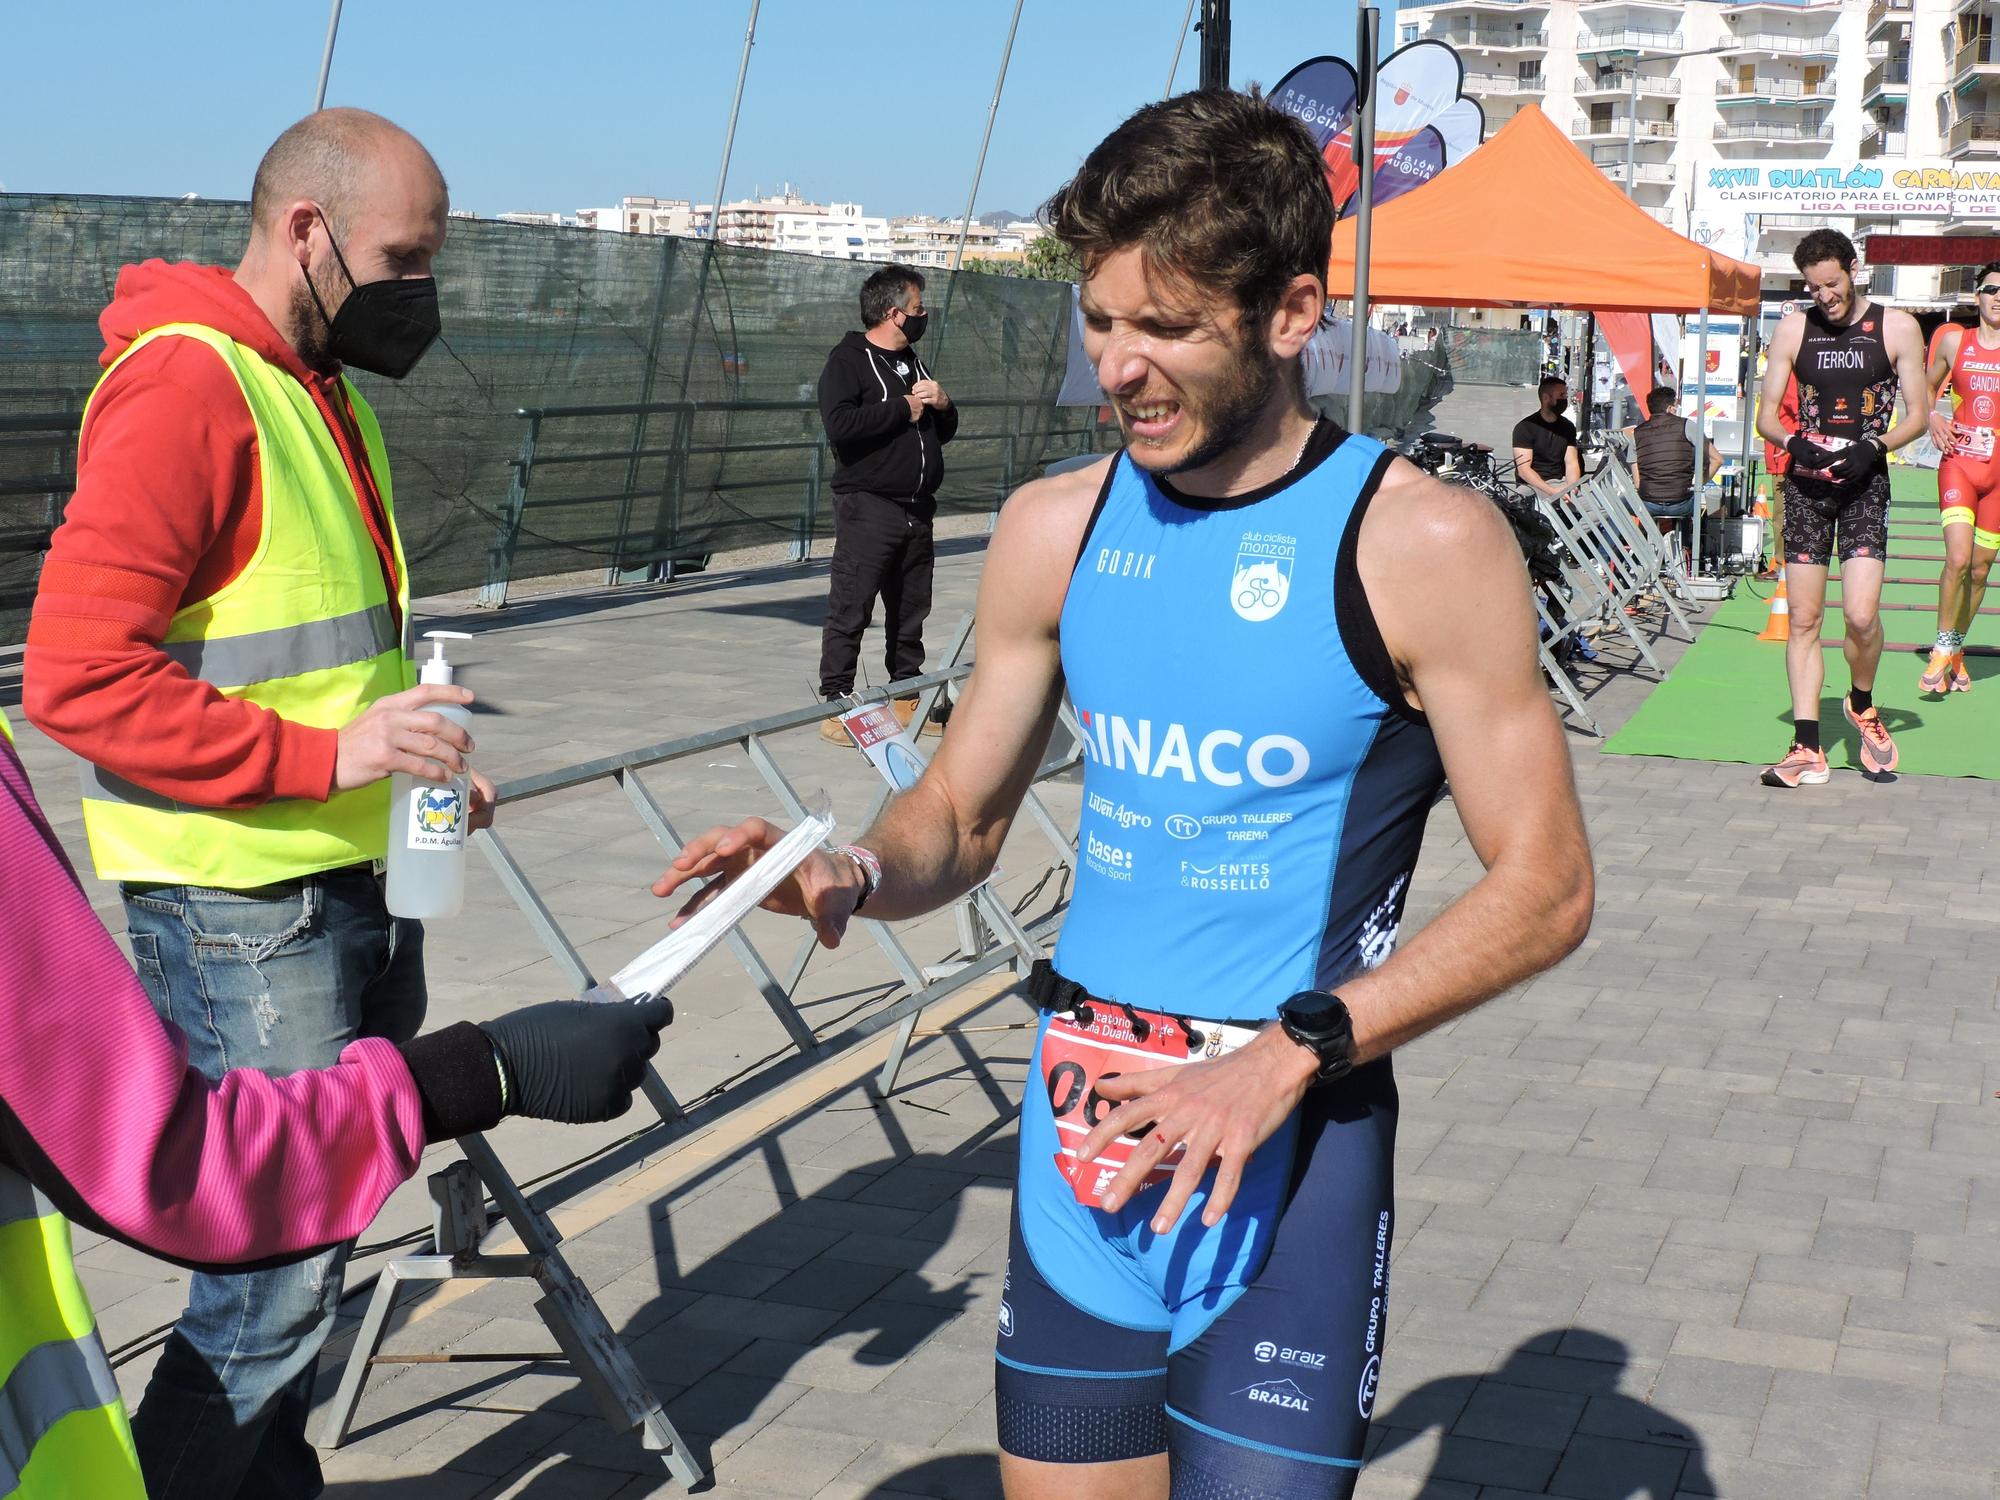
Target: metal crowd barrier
x: 1616, y: 566
x: 1030, y: 425
x: 990, y: 938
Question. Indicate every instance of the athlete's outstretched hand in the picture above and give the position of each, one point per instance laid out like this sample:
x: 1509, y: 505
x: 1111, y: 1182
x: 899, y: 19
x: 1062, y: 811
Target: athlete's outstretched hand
x: 1224, y: 1109
x: 823, y: 890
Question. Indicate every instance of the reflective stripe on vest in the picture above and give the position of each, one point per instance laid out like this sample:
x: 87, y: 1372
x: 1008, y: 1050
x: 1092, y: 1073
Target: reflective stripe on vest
x: 62, y: 1427
x: 6, y: 729
x: 306, y: 630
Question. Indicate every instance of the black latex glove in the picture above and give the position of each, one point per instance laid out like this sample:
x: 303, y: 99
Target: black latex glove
x: 1809, y: 455
x: 1853, y: 461
x: 576, y: 1063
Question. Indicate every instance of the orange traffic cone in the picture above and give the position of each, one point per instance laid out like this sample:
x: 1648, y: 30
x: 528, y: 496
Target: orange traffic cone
x: 1779, y: 627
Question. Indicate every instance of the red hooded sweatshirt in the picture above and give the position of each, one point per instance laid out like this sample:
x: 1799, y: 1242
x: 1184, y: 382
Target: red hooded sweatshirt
x: 167, y: 510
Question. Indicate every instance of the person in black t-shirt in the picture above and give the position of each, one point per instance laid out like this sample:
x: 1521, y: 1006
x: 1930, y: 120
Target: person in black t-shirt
x: 1545, y: 453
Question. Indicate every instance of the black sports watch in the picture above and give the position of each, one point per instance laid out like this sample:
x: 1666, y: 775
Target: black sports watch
x: 1319, y: 1022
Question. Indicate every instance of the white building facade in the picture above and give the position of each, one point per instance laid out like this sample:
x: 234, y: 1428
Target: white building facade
x: 1657, y: 93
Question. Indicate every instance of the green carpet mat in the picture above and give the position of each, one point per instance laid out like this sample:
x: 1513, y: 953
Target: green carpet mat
x: 1726, y: 699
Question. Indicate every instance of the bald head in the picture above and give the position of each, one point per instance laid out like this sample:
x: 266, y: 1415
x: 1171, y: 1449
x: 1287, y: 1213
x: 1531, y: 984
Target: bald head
x: 342, y: 198
x: 340, y: 159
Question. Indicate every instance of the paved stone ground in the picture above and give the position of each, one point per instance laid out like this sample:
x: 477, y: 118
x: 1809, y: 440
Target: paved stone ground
x: 1708, y: 1210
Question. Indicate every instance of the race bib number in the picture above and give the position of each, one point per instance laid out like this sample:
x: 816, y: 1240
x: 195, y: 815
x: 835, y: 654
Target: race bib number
x: 1971, y: 442
x: 1077, y: 1058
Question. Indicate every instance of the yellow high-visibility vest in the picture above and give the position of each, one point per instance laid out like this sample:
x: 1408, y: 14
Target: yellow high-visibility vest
x: 306, y: 630
x: 65, y: 1426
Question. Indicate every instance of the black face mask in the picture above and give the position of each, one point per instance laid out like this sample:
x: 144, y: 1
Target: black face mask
x: 913, y: 327
x: 383, y: 327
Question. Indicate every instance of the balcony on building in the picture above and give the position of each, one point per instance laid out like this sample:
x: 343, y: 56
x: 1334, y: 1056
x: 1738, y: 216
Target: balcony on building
x: 1885, y: 13
x: 1889, y: 78
x: 1885, y: 142
x: 1616, y: 83
x: 1616, y: 40
x: 1750, y: 84
x: 1481, y: 34
x: 1526, y: 84
x: 1618, y: 125
x: 1610, y: 160
x: 1977, y: 59
x: 1976, y: 132
x: 1789, y: 130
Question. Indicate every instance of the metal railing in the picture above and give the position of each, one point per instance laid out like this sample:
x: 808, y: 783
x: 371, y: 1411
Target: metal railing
x: 37, y: 468
x: 1768, y: 130
x: 1611, y: 161
x: 1892, y: 73
x: 1493, y: 37
x: 1982, y: 130
x: 805, y: 460
x: 1976, y: 53
x: 1502, y: 83
x: 1627, y: 41
x: 1885, y: 143
x: 1884, y: 11
x: 1621, y: 125
x: 1621, y: 83
x: 1790, y: 46
x: 1764, y: 86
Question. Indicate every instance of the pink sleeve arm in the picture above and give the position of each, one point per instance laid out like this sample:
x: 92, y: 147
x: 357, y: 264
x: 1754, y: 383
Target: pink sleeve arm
x: 100, y: 1110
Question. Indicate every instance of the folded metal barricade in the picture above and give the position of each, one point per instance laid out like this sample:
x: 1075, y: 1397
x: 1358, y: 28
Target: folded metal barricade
x: 1658, y: 552
x: 1601, y: 559
x: 990, y: 937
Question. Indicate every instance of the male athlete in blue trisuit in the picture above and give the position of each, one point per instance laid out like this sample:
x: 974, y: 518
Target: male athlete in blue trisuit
x: 1280, y: 640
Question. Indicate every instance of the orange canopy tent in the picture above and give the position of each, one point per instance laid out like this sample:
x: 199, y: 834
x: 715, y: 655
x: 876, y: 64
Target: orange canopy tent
x: 1527, y: 221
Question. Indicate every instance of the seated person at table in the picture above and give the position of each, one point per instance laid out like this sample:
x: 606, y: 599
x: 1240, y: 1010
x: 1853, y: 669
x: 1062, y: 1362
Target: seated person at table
x: 1545, y: 452
x: 1664, y: 450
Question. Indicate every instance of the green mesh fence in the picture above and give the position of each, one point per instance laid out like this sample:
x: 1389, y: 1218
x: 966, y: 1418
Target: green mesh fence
x: 552, y: 318
x: 1492, y: 356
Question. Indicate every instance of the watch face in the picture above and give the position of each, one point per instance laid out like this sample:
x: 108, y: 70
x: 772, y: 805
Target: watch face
x: 1313, y: 1011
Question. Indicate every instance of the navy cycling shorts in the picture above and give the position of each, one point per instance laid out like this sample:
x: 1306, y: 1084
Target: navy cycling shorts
x: 1250, y: 1352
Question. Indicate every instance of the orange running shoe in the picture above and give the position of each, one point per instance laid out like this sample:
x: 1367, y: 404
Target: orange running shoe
x: 1878, y: 751
x: 1800, y: 767
x: 1961, y: 680
x: 1937, y: 676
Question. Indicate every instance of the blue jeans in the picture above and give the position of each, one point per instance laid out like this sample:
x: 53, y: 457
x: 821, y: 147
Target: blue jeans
x: 278, y: 979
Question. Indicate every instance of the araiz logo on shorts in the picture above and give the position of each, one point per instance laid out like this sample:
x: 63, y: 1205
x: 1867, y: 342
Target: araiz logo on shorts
x: 1262, y: 579
x: 1306, y: 1359
x: 1283, y: 1393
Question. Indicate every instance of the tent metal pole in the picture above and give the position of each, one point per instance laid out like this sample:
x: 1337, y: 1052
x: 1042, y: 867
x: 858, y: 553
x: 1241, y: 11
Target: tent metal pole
x: 1180, y: 41
x: 729, y: 135
x: 1701, y: 414
x: 978, y: 167
x: 1364, y: 160
x: 326, y: 56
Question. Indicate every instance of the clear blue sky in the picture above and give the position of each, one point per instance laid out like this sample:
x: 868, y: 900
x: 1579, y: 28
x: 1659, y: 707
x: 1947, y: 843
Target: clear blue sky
x: 567, y: 106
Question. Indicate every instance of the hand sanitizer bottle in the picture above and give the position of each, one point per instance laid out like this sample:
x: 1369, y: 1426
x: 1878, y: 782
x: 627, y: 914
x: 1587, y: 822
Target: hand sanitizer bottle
x: 427, y: 819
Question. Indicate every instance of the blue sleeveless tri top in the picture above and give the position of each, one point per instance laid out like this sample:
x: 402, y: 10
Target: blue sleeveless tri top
x: 1255, y: 783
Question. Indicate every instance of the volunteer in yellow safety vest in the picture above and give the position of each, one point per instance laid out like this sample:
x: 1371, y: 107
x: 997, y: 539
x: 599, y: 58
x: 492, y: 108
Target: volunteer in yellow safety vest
x: 220, y: 634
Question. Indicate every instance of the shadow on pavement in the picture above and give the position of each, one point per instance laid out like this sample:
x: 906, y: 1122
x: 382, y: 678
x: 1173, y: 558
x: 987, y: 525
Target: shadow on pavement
x: 1551, y: 1420
x: 720, y: 1341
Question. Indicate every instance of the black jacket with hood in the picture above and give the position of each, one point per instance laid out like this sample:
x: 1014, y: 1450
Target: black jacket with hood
x: 877, y: 448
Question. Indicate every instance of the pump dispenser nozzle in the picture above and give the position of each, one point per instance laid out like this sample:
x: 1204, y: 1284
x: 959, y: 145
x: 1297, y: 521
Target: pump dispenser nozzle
x: 437, y: 669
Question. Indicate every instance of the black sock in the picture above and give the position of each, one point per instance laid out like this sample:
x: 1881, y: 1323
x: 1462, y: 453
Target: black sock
x: 1861, y: 699
x: 1806, y: 733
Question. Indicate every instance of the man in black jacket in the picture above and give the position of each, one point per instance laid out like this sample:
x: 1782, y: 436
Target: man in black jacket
x: 888, y: 421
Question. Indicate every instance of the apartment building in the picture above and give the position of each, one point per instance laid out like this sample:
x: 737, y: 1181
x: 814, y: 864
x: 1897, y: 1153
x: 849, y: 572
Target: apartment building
x: 1656, y: 92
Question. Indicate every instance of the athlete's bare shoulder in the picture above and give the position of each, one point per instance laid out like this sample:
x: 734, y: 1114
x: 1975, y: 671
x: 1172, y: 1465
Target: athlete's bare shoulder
x: 1415, y: 514
x: 1791, y: 329
x: 1900, y: 330
x: 1039, y: 534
